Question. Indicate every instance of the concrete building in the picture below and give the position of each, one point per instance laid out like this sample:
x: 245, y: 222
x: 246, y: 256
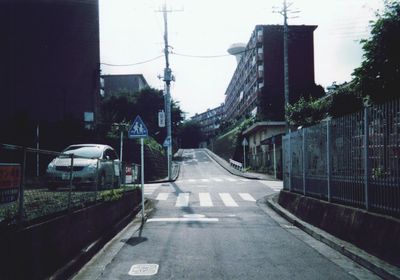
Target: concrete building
x: 264, y: 152
x: 125, y: 84
x: 210, y: 120
x: 257, y: 86
x: 50, y: 60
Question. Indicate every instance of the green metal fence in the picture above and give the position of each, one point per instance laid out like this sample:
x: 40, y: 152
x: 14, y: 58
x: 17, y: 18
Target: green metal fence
x: 29, y: 194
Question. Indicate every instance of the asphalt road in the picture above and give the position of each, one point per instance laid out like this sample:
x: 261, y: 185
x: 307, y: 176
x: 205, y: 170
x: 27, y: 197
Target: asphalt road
x: 208, y: 225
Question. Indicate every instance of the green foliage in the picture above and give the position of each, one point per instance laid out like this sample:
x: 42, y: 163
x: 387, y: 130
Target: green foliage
x: 377, y: 77
x: 111, y: 195
x: 344, y: 102
x: 307, y: 112
x: 124, y: 107
x: 153, y: 145
x: 190, y: 134
x: 228, y: 145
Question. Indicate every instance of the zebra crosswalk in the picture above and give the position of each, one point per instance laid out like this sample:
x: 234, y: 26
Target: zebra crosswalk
x: 216, y: 179
x: 205, y: 199
x: 149, y: 189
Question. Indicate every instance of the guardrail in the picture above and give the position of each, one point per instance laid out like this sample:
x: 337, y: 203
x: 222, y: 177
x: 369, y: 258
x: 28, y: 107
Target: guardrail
x: 32, y: 187
x: 235, y: 164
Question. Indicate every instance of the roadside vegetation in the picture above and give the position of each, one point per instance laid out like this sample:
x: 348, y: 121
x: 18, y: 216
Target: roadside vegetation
x: 374, y: 82
x: 44, y: 204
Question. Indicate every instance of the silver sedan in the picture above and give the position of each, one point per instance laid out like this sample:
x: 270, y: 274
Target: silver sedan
x: 93, y: 165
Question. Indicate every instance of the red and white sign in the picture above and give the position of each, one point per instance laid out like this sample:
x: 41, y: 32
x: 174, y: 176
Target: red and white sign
x: 128, y: 175
x: 10, y: 181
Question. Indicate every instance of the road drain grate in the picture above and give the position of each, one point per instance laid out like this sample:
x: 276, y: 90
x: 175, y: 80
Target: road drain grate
x: 147, y: 269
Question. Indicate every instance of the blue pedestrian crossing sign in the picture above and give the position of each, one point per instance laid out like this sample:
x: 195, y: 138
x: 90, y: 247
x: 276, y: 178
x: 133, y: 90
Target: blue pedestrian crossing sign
x: 167, y: 142
x: 138, y: 129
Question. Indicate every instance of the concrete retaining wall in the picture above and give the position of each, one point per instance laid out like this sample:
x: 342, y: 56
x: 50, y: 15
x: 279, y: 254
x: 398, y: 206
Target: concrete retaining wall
x: 38, y: 251
x: 377, y: 234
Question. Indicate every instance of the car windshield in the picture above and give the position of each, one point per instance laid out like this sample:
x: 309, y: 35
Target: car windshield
x: 87, y: 152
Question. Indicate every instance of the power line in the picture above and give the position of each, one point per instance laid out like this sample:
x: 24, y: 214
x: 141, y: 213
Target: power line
x: 210, y: 56
x: 132, y: 64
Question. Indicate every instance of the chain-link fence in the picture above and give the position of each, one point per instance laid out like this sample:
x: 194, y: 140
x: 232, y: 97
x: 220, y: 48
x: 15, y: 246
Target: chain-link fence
x: 352, y: 160
x: 38, y: 184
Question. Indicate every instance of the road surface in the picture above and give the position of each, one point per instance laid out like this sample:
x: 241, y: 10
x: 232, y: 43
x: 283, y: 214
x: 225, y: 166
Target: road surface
x: 208, y: 225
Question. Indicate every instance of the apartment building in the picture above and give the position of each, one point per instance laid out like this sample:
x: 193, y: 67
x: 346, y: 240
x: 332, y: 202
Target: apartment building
x: 257, y: 85
x: 122, y: 84
x: 210, y: 120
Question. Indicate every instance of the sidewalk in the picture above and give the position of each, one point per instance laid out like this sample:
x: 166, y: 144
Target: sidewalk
x: 230, y: 169
x: 372, y: 263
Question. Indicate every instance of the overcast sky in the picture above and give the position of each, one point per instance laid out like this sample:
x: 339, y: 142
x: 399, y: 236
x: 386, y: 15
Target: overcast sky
x: 131, y: 31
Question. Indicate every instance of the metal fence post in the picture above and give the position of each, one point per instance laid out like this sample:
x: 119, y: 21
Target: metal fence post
x: 328, y: 157
x: 21, y: 190
x: 96, y: 181
x: 71, y: 177
x: 304, y: 160
x: 366, y: 157
x: 290, y: 162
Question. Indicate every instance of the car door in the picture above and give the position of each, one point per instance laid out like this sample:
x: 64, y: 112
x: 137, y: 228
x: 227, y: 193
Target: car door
x: 112, y: 165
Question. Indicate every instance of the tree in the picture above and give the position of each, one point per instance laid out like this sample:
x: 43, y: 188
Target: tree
x: 378, y: 76
x: 146, y: 103
x: 190, y: 134
x: 307, y: 112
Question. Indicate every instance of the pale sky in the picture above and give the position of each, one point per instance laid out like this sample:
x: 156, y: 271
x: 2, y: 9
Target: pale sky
x: 131, y: 31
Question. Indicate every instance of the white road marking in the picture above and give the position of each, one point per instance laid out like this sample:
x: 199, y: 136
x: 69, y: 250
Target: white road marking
x: 205, y: 180
x: 162, y: 196
x: 206, y: 220
x: 194, y: 216
x: 149, y: 189
x: 247, y: 197
x: 228, y: 200
x: 182, y: 200
x: 217, y: 179
x: 275, y: 185
x: 192, y: 180
x: 205, y: 200
x: 230, y: 179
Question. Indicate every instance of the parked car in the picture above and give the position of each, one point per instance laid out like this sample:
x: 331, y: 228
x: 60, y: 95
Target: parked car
x: 93, y: 164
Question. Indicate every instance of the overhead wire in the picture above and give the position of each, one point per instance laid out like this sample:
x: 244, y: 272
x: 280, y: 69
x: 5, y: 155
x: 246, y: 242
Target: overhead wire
x: 132, y: 64
x: 178, y: 54
x: 209, y: 56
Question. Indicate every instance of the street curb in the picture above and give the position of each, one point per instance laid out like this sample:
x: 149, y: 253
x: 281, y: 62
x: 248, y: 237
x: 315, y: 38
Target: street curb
x: 372, y: 263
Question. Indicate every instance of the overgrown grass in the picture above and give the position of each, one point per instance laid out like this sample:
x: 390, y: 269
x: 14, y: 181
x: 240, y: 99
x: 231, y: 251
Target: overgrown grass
x: 43, y: 203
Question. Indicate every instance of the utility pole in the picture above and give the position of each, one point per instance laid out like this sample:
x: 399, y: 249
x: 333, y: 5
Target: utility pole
x: 167, y: 80
x: 285, y: 60
x: 284, y: 12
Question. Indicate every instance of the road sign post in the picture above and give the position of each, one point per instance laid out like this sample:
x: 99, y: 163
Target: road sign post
x: 244, y: 144
x: 139, y: 130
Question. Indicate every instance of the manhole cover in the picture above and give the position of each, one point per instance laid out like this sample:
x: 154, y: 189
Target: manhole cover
x: 143, y: 269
